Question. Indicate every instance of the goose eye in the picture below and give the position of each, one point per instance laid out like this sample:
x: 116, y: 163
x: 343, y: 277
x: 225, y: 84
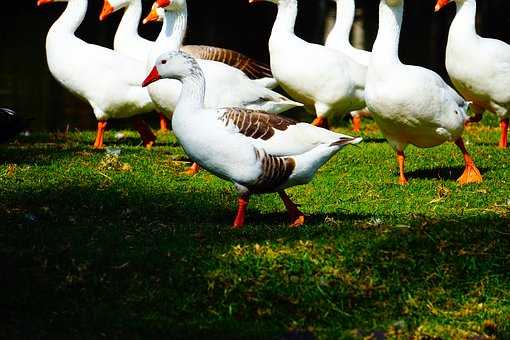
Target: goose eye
x: 163, y: 62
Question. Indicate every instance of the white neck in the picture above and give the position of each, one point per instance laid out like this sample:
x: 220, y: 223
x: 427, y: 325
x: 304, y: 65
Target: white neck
x: 465, y: 20
x: 72, y: 17
x: 286, y: 17
x: 386, y: 44
x: 128, y: 27
x: 171, y: 36
x: 192, y: 93
x: 345, y: 11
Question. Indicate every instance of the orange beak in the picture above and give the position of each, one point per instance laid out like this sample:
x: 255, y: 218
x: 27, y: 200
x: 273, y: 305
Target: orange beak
x: 43, y: 2
x: 152, y: 77
x: 152, y: 16
x: 107, y: 10
x: 163, y: 3
x: 440, y: 4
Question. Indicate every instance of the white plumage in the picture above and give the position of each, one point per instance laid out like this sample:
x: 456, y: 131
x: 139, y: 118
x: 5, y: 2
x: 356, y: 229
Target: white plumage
x: 78, y: 65
x: 478, y: 67
x: 411, y: 104
x: 325, y: 80
x: 257, y: 151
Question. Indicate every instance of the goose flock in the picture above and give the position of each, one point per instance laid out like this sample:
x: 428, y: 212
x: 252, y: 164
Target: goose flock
x: 224, y: 110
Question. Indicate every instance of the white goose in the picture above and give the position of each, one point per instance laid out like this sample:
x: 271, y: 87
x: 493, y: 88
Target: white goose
x: 226, y: 86
x: 478, y: 67
x: 324, y: 80
x: 127, y: 40
x: 78, y: 65
x: 338, y: 39
x: 257, y: 151
x: 411, y: 104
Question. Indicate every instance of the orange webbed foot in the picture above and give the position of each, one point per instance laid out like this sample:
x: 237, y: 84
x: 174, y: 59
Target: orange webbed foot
x: 471, y: 175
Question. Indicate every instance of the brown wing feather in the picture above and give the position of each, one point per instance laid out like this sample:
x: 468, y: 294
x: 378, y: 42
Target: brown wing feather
x: 251, y: 67
x: 256, y: 124
x: 275, y: 172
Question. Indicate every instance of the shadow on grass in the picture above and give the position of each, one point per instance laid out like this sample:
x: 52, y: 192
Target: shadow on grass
x: 442, y: 173
x: 82, y: 263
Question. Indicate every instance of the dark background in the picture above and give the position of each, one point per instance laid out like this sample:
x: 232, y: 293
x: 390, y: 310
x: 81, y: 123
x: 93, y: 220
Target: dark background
x: 27, y: 86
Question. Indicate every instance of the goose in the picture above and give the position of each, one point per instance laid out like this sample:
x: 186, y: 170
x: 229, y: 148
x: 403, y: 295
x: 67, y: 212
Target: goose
x: 478, y: 67
x: 127, y: 40
x: 323, y: 79
x: 259, y: 152
x: 77, y: 65
x: 338, y: 39
x: 411, y: 104
x: 11, y: 124
x: 225, y: 86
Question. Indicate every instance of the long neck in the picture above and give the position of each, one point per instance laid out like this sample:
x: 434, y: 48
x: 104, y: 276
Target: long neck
x: 171, y: 36
x: 286, y: 17
x: 192, y: 93
x: 465, y: 20
x: 174, y: 29
x: 345, y: 10
x: 386, y: 44
x: 72, y: 17
x: 128, y: 27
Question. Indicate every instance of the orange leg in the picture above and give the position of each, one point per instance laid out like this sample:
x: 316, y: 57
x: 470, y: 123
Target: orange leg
x: 193, y: 170
x: 101, y: 126
x: 471, y: 173
x: 401, y: 158
x: 297, y: 218
x: 241, y: 211
x: 356, y: 123
x: 145, y: 132
x: 503, y: 142
x: 320, y: 122
x: 163, y: 123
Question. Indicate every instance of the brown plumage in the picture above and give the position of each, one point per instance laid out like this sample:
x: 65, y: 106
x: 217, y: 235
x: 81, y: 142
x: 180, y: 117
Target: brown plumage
x: 256, y: 124
x: 251, y: 67
x: 275, y: 172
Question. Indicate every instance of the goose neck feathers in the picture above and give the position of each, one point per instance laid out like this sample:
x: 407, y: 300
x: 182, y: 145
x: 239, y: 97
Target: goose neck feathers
x: 286, y: 17
x: 72, y: 17
x: 390, y: 22
x: 339, y: 35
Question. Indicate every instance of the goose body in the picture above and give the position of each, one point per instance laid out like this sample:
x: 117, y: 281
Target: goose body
x: 259, y: 152
x: 411, y: 104
x: 226, y: 86
x: 77, y: 65
x: 325, y: 80
x: 478, y: 67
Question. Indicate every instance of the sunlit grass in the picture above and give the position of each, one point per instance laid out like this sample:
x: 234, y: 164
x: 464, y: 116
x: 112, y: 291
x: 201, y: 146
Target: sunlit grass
x: 95, y: 245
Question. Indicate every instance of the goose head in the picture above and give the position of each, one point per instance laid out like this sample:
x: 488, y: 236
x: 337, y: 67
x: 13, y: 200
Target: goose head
x: 155, y: 15
x: 44, y: 2
x: 110, y: 6
x: 171, y: 5
x: 172, y: 65
x: 442, y: 3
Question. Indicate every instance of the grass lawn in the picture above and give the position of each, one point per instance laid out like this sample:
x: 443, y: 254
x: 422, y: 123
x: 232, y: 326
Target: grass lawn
x: 99, y: 246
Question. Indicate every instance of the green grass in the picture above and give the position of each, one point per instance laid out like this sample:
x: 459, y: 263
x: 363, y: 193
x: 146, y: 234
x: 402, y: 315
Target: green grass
x: 94, y: 246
